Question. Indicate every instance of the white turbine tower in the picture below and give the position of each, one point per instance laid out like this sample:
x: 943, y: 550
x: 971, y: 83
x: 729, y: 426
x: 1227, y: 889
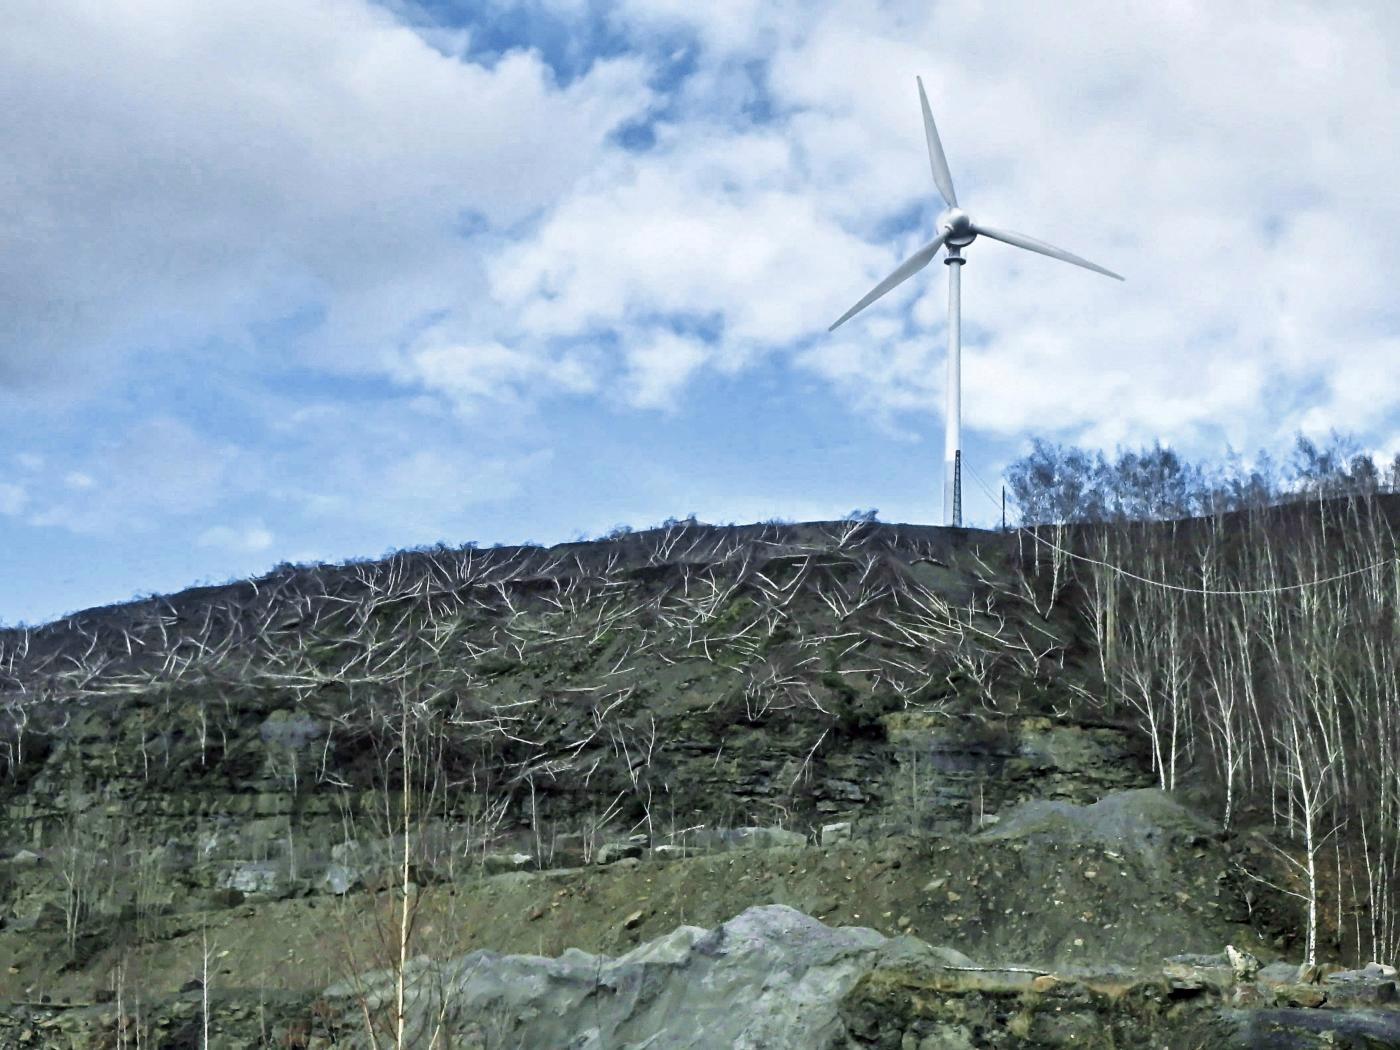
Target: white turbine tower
x: 956, y: 231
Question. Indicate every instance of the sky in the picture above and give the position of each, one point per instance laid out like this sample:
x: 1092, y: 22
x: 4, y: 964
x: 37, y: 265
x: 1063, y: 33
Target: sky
x: 313, y: 281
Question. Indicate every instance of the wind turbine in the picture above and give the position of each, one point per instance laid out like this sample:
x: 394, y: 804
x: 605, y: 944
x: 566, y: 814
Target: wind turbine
x: 956, y: 230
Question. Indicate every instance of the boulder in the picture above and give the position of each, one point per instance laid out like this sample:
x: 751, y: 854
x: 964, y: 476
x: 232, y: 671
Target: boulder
x: 771, y: 977
x: 767, y: 838
x: 911, y: 955
x: 1143, y: 821
x: 37, y: 914
x: 748, y: 838
x: 500, y: 863
x: 843, y: 789
x: 1308, y: 996
x: 265, y: 877
x: 953, y: 1037
x: 348, y: 852
x: 839, y: 832
x: 1191, y: 973
x: 611, y: 852
x: 340, y: 879
x: 293, y: 730
x: 1370, y: 985
x: 1242, y: 963
x: 1277, y: 974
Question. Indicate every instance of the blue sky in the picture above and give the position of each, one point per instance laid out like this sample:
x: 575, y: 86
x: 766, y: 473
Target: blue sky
x: 314, y: 281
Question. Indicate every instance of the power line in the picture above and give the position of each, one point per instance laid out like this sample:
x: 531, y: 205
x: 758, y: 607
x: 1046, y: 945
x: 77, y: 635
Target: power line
x: 1214, y: 592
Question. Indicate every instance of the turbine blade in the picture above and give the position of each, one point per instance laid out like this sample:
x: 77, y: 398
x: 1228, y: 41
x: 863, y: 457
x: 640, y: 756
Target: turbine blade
x: 908, y: 268
x: 1020, y: 240
x: 942, y: 177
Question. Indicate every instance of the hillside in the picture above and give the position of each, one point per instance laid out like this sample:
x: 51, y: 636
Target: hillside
x: 255, y: 805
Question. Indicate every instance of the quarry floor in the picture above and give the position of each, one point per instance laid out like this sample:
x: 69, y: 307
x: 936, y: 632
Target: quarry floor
x: 1036, y: 899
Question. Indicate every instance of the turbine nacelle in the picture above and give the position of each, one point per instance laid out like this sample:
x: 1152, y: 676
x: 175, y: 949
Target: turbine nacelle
x: 956, y: 230
x: 956, y: 227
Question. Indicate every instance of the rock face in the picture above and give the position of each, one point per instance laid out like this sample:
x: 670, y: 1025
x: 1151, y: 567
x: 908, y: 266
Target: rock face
x: 769, y: 979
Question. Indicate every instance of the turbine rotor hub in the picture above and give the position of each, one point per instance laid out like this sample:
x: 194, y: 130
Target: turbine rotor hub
x: 958, y: 225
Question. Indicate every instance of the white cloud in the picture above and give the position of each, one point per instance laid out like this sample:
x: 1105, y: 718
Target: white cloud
x: 217, y: 174
x: 659, y: 369
x: 710, y: 226
x: 1222, y: 157
x: 470, y: 374
x: 154, y: 471
x: 174, y: 171
x: 401, y: 470
x: 1175, y: 146
x: 12, y: 498
x: 723, y: 26
x: 398, y: 470
x: 419, y: 495
x: 180, y: 175
x: 245, y: 539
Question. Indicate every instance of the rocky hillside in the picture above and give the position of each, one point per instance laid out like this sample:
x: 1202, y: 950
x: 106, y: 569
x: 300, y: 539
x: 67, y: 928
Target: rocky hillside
x: 342, y: 800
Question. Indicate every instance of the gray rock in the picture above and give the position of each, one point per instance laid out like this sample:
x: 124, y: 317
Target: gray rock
x: 1368, y: 985
x: 24, y: 859
x: 1242, y: 963
x: 499, y: 863
x: 1302, y: 1029
x: 749, y: 838
x: 836, y: 832
x: 36, y: 914
x: 767, y: 838
x: 611, y: 852
x: 916, y: 956
x: 1277, y: 974
x: 293, y: 730
x: 265, y: 877
x: 843, y: 789
x: 1142, y: 821
x: 349, y: 852
x: 341, y: 879
x: 1198, y: 972
x: 770, y: 978
x: 952, y: 1037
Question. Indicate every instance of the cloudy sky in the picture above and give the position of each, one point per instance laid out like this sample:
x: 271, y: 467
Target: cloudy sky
x: 314, y: 280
